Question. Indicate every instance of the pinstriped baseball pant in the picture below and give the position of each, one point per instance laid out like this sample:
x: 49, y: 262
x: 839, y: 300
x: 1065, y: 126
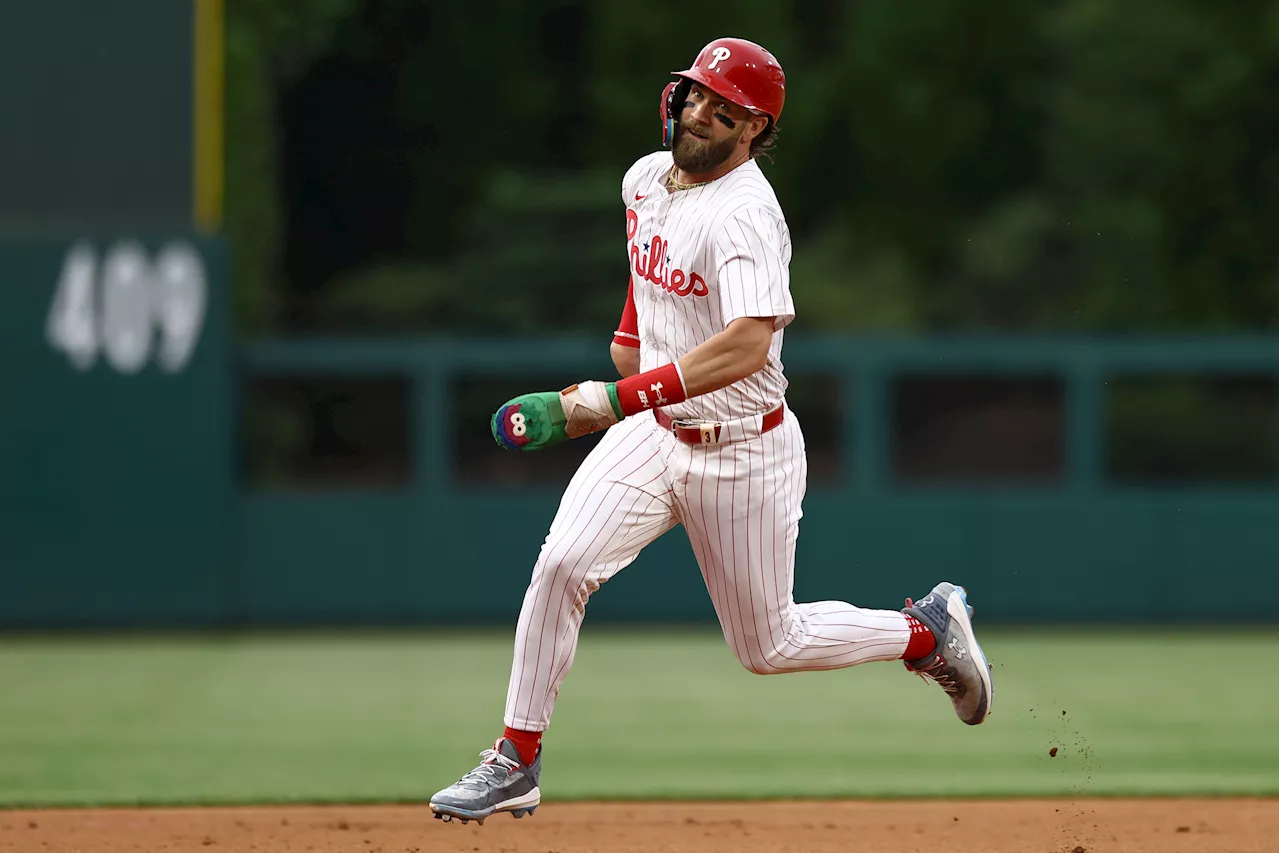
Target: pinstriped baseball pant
x: 740, y: 504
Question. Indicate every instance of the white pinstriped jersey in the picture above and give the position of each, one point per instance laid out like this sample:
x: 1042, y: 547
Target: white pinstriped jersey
x: 700, y: 259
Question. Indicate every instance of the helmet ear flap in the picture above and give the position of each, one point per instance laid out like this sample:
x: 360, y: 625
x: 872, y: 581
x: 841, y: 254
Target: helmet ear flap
x: 669, y: 107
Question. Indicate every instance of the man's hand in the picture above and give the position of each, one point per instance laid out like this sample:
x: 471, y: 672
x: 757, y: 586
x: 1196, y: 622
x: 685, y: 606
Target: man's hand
x: 546, y: 418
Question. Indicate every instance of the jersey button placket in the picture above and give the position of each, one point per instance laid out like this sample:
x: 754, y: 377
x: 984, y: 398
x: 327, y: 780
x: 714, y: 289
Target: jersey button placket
x: 664, y: 207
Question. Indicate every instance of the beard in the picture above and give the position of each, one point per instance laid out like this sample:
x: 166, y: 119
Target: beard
x: 697, y: 156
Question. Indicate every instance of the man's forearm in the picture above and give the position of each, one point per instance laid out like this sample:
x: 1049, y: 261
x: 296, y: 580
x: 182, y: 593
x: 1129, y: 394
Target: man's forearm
x: 735, y: 353
x: 727, y: 357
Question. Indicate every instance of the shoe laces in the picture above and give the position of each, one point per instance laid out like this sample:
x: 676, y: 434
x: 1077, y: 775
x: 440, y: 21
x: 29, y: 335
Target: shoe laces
x: 937, y: 671
x: 493, y: 766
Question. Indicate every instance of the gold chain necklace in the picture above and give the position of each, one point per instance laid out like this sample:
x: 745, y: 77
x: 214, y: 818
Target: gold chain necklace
x: 677, y: 185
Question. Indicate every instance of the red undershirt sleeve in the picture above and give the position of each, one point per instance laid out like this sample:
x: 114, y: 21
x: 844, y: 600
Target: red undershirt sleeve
x: 628, y: 332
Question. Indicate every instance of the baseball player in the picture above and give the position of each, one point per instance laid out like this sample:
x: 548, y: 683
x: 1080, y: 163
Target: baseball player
x: 697, y: 433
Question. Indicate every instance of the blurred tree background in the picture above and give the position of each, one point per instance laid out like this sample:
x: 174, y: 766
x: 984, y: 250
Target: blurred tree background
x: 400, y: 166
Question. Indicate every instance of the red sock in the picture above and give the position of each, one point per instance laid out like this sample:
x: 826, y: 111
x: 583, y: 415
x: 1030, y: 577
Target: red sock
x: 922, y: 641
x: 526, y: 743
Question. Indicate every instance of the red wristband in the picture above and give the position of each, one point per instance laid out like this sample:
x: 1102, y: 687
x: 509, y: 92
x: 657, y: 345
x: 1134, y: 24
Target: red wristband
x: 661, y: 386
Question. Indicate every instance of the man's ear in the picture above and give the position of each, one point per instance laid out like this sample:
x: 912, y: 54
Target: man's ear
x: 755, y: 126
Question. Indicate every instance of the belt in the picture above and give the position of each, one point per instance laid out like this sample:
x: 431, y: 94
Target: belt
x: 720, y: 432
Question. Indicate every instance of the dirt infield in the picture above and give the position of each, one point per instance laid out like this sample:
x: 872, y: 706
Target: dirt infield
x: 1023, y: 826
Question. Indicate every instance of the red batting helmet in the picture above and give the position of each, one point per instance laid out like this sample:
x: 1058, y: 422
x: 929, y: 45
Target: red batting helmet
x: 736, y: 69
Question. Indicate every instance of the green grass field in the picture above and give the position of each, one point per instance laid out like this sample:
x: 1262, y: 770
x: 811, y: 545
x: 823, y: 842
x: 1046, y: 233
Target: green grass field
x: 654, y: 713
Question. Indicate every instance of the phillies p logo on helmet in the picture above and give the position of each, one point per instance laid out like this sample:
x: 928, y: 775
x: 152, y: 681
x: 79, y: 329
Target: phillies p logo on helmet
x: 736, y: 69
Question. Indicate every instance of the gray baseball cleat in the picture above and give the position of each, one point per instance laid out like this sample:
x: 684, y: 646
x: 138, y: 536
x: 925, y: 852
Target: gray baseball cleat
x: 957, y: 662
x: 500, y: 784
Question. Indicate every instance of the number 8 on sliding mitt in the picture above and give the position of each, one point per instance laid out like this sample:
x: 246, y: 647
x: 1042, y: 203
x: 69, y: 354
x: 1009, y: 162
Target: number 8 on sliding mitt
x: 529, y: 422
